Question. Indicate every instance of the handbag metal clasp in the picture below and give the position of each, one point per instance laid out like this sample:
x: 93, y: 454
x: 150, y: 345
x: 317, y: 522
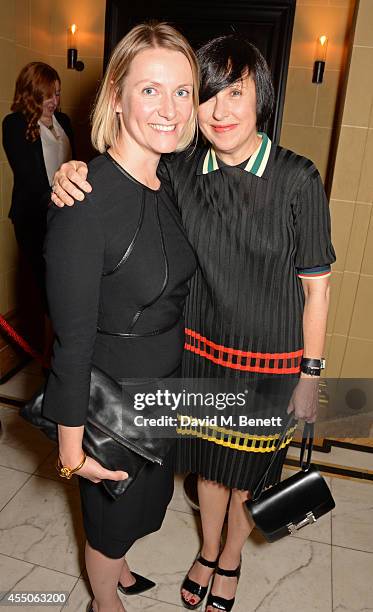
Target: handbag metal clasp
x: 310, y: 518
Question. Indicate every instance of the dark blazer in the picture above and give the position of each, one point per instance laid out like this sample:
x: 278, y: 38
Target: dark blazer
x: 31, y: 190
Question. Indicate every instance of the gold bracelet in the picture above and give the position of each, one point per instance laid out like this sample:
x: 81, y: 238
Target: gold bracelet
x: 65, y: 471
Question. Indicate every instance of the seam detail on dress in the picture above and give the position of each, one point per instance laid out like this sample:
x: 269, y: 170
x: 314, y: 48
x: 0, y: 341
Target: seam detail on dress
x: 165, y: 281
x: 132, y: 243
x: 154, y: 332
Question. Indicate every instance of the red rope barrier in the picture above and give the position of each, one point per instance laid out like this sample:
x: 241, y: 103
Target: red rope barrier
x: 11, y: 332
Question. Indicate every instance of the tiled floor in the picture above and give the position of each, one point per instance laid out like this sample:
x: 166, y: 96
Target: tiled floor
x: 327, y: 567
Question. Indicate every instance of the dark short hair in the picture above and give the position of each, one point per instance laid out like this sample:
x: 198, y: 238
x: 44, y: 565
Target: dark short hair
x: 225, y: 60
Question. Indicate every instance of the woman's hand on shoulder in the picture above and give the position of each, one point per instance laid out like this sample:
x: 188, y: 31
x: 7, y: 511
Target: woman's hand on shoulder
x: 69, y: 183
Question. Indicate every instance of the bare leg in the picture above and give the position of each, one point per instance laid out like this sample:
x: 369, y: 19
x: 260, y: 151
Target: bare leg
x: 239, y: 528
x: 103, y: 575
x: 126, y: 578
x: 213, y: 501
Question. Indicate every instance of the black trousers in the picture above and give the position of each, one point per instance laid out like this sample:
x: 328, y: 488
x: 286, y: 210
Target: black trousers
x: 30, y: 236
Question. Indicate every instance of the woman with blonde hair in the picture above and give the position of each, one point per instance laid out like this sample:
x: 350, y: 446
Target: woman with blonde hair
x: 117, y: 273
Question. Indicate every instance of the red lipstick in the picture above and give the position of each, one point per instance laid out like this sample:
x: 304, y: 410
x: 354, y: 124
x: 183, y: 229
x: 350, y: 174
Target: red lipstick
x: 224, y: 128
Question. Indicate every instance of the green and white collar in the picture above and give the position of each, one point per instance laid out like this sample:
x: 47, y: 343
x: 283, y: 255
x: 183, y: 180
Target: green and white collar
x: 256, y: 164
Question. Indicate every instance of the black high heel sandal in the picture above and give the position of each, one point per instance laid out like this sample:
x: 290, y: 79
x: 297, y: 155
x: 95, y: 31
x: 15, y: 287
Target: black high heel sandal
x: 195, y: 588
x: 220, y: 603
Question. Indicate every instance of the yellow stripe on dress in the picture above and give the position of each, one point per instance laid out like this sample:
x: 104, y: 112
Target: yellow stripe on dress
x: 243, y: 442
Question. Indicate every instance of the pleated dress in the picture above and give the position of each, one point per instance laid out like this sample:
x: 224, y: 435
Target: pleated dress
x: 257, y: 229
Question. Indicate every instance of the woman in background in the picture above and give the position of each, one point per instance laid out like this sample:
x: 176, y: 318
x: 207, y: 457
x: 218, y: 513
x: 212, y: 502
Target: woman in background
x: 37, y: 138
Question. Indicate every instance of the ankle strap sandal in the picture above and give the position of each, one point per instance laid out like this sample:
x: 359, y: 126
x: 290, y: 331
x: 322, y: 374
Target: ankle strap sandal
x: 195, y: 588
x: 220, y: 603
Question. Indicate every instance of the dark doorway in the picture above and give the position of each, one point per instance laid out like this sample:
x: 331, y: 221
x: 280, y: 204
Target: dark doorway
x: 266, y: 23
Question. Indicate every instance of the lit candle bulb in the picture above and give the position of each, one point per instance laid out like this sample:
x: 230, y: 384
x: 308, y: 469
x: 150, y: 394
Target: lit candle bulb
x: 319, y: 65
x: 322, y: 46
x: 72, y: 46
x: 72, y: 36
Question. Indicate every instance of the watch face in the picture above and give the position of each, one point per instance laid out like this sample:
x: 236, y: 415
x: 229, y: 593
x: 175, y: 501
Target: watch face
x: 322, y: 364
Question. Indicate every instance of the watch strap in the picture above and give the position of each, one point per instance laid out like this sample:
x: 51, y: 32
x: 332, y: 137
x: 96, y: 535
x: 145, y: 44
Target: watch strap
x: 313, y: 363
x: 311, y: 371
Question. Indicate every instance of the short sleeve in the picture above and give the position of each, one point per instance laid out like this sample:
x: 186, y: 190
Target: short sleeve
x: 314, y: 249
x: 74, y: 254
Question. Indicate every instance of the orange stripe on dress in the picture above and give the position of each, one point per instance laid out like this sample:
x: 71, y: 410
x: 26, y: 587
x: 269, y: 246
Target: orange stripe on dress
x: 200, y: 345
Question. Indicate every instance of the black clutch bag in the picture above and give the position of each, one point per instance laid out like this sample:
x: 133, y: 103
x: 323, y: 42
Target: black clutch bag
x: 295, y: 502
x: 110, y: 435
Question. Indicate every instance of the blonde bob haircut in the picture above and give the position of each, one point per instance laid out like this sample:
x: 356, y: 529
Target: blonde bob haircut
x: 105, y: 121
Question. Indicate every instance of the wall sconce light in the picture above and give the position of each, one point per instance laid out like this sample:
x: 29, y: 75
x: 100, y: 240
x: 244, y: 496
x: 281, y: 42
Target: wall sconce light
x: 319, y: 65
x: 72, y: 49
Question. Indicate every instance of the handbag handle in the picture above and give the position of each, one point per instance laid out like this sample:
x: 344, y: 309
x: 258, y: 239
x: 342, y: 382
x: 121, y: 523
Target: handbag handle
x: 308, y: 432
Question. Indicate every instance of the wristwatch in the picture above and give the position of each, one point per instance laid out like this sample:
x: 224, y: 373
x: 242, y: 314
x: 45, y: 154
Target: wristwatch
x: 310, y: 371
x: 66, y: 471
x: 312, y: 367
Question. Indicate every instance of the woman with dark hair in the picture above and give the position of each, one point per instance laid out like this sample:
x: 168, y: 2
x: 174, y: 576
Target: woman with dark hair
x: 37, y: 138
x: 258, y: 219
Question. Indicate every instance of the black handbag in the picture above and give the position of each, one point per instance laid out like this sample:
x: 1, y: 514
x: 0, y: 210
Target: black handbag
x: 110, y: 435
x: 295, y: 502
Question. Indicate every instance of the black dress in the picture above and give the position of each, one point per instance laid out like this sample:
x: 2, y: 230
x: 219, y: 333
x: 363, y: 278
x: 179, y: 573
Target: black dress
x: 120, y: 264
x: 257, y: 229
